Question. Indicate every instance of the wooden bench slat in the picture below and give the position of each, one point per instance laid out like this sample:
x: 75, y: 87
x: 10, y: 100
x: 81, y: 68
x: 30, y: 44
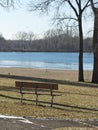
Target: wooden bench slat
x: 38, y: 85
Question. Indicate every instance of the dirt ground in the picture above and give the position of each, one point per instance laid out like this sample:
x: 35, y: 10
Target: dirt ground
x: 71, y: 75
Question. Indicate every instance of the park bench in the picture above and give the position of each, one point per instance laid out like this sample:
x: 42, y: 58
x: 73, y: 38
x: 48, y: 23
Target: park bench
x: 37, y: 88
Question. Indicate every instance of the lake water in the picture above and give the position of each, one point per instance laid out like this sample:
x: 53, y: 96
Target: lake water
x: 45, y: 60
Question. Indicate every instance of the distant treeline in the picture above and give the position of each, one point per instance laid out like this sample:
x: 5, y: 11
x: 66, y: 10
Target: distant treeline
x: 60, y: 43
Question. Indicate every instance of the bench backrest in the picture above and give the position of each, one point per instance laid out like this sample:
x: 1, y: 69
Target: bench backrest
x: 40, y: 85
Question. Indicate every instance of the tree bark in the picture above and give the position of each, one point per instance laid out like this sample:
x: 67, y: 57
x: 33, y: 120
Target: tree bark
x: 95, y: 47
x: 81, y: 75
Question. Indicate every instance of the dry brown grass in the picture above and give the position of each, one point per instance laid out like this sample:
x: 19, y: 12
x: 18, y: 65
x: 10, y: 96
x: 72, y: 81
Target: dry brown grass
x: 80, y: 102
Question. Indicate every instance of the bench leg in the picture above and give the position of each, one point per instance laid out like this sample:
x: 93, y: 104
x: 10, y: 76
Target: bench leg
x: 52, y: 101
x: 36, y: 99
x: 21, y: 97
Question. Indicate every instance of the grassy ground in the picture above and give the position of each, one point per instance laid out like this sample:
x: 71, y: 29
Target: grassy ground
x: 76, y: 102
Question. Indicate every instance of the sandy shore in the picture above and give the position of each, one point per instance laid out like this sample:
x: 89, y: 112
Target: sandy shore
x: 43, y: 73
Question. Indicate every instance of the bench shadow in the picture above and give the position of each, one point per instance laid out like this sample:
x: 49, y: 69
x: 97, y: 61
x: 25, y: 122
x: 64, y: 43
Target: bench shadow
x: 74, y: 93
x: 55, y: 105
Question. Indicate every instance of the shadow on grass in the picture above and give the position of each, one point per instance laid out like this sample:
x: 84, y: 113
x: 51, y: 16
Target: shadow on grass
x: 16, y: 90
x: 55, y: 105
x: 65, y: 82
x: 79, y: 94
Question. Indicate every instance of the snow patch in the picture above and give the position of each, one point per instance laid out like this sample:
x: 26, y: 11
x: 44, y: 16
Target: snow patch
x: 21, y: 119
x: 26, y: 121
x: 10, y: 117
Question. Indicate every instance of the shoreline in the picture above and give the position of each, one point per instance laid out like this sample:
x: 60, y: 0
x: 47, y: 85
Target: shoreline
x: 71, y: 75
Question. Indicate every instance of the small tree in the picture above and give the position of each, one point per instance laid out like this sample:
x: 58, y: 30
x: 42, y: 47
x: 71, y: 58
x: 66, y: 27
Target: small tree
x: 23, y: 36
x: 62, y: 7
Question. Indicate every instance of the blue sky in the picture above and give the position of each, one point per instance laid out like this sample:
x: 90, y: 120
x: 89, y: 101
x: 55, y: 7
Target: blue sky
x: 20, y: 19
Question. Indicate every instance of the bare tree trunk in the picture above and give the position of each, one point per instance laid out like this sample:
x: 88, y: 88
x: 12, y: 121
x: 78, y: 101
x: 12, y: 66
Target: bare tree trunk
x: 81, y: 75
x: 95, y: 47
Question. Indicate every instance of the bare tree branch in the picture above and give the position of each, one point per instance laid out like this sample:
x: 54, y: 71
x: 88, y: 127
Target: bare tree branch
x: 41, y: 6
x: 77, y: 3
x: 86, y: 5
x: 64, y: 18
x: 7, y: 3
x: 72, y: 6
